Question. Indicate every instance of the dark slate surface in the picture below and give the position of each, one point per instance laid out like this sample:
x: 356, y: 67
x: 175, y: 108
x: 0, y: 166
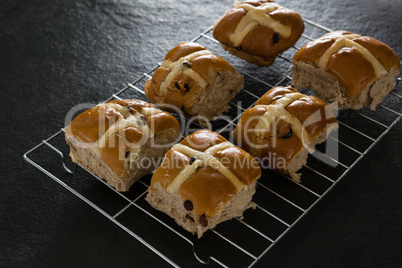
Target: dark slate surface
x: 57, y: 54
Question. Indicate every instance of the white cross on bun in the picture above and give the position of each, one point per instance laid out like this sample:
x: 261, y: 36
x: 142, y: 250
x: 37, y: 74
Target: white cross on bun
x: 257, y: 31
x: 354, y: 70
x: 204, y: 180
x: 195, y: 81
x: 282, y: 127
x: 121, y: 140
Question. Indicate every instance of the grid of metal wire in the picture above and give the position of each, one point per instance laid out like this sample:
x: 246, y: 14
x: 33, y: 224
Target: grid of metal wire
x: 280, y: 202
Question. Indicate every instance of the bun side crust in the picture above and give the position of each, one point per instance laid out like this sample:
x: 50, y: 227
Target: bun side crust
x: 114, y: 139
x: 195, y: 81
x: 282, y: 127
x: 203, y: 181
x: 327, y: 87
x: 355, y: 62
x: 265, y: 29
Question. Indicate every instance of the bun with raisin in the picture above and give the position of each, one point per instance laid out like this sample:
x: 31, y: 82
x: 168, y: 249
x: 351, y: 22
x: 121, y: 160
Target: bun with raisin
x: 195, y: 81
x: 257, y: 31
x: 282, y: 127
x: 121, y: 140
x: 354, y: 70
x: 203, y: 181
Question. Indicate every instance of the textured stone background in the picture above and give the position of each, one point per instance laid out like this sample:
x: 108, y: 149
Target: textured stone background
x: 56, y: 54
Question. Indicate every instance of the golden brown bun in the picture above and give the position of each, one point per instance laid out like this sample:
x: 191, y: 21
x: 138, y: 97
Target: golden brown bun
x: 193, y: 80
x: 281, y: 125
x: 276, y: 29
x: 205, y: 180
x: 355, y: 61
x: 110, y: 138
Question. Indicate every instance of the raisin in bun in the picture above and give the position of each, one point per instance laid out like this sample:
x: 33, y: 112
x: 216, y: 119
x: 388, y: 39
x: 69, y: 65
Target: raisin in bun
x: 121, y: 140
x: 195, y: 81
x: 204, y: 180
x: 257, y: 31
x: 282, y: 127
x: 354, y: 70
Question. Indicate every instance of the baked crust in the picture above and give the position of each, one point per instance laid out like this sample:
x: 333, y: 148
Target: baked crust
x: 112, y: 139
x: 203, y: 181
x: 283, y: 125
x: 356, y: 62
x: 257, y: 31
x: 194, y: 81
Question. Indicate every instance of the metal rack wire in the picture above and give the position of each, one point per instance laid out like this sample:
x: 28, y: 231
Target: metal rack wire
x: 280, y: 203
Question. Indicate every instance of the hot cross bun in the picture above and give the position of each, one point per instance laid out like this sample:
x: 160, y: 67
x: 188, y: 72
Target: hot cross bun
x: 195, y: 81
x: 257, y: 31
x: 121, y: 140
x: 354, y: 70
x: 282, y: 127
x: 204, y: 180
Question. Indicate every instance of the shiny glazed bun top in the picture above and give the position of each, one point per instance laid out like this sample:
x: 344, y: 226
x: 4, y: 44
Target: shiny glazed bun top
x: 186, y: 71
x: 281, y: 124
x: 118, y: 128
x: 260, y: 28
x: 207, y: 170
x: 354, y: 59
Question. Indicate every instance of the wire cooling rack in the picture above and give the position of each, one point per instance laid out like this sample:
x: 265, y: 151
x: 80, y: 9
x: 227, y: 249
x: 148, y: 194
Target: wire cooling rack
x: 280, y: 202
